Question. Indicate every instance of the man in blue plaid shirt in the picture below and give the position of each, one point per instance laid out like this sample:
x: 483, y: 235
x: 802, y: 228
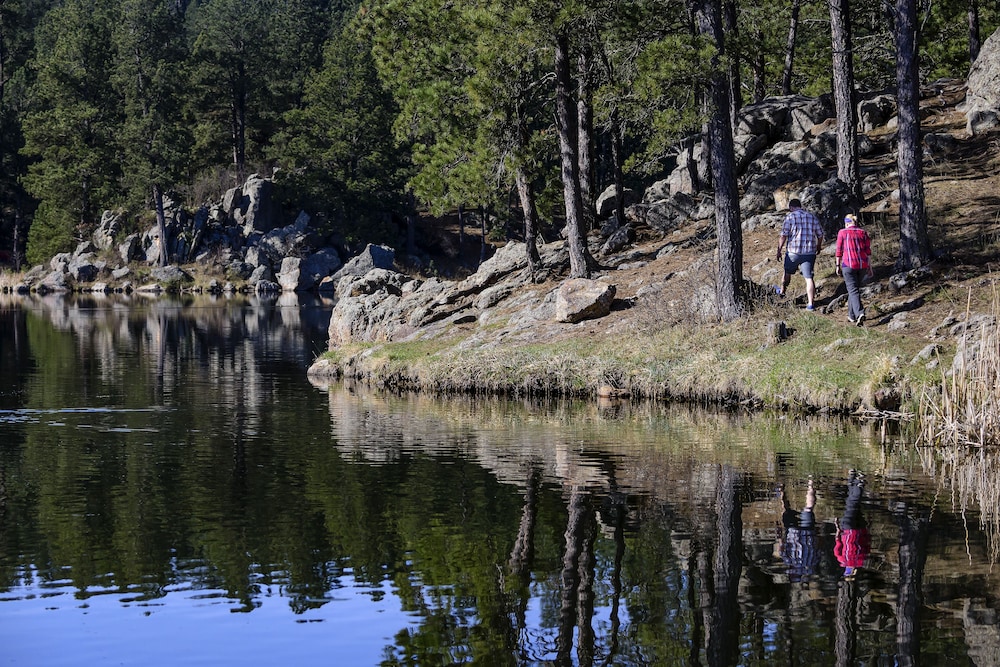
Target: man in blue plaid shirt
x: 803, y: 235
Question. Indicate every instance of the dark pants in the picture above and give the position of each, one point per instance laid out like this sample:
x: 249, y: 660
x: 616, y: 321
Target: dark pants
x: 853, y: 278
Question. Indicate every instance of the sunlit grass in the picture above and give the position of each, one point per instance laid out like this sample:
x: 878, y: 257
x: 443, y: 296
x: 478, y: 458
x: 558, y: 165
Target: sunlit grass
x: 822, y: 363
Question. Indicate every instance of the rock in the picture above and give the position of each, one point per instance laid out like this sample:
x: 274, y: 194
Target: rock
x: 104, y: 236
x: 875, y: 111
x: 266, y: 287
x: 170, y: 274
x: 321, y: 264
x: 260, y: 273
x: 376, y: 280
x: 250, y: 206
x: 607, y: 200
x: 897, y: 322
x: 830, y: 201
x: 290, y: 273
x: 130, y: 249
x: 929, y: 352
x: 982, y: 100
x: 372, y: 257
x: 84, y: 268
x: 579, y: 299
x: 618, y: 240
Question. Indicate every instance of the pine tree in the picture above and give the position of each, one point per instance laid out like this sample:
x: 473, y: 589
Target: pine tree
x: 338, y: 150
x: 154, y: 141
x: 71, y: 127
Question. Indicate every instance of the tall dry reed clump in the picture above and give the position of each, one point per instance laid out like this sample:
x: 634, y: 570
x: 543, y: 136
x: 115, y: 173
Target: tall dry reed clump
x: 965, y: 409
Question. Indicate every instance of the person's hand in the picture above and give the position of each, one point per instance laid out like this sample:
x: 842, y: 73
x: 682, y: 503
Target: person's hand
x: 871, y: 272
x: 838, y: 270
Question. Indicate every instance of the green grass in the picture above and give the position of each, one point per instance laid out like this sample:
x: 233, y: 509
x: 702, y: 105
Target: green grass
x: 823, y: 364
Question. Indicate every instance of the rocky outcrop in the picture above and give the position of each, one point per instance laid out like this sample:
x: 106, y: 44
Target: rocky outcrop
x: 982, y: 102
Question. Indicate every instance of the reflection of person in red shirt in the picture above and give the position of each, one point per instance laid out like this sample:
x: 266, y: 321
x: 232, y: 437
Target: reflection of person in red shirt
x: 854, y: 542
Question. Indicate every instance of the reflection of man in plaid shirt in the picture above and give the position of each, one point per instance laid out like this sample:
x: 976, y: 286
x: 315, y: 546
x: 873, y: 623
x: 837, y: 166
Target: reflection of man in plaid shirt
x: 803, y: 234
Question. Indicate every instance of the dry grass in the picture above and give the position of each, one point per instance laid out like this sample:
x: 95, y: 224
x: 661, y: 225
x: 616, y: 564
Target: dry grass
x: 964, y: 410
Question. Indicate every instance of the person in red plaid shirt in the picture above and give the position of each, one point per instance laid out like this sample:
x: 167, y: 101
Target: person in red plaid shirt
x: 854, y: 251
x: 803, y: 234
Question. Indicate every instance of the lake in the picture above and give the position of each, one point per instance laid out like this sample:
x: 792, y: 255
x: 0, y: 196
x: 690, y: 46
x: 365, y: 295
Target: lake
x: 174, y: 490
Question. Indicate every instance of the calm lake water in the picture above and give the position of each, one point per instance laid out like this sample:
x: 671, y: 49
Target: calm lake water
x: 175, y: 491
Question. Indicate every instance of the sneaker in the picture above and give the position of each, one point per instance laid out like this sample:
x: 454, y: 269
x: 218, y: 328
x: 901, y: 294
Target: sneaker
x: 851, y: 320
x: 861, y: 320
x: 810, y: 307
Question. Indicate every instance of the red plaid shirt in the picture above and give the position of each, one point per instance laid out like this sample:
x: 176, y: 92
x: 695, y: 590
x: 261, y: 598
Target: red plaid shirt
x: 853, y: 247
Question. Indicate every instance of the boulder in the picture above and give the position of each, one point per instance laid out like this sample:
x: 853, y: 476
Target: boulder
x: 251, y: 205
x: 84, y: 268
x: 282, y: 242
x: 260, y: 273
x: 372, y: 257
x: 104, y: 236
x: 982, y: 100
x: 607, y: 201
x: 130, y: 249
x: 875, y: 111
x: 618, y: 240
x: 830, y: 201
x: 290, y: 273
x: 170, y: 274
x: 579, y: 299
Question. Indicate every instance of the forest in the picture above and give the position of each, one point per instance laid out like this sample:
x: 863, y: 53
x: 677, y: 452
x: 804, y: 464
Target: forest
x: 367, y: 113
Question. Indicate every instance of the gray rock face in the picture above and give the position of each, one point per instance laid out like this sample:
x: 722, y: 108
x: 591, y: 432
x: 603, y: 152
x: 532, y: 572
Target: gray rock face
x: 875, y: 111
x: 289, y: 274
x: 106, y: 232
x: 579, y: 299
x: 372, y: 257
x: 170, y: 274
x: 251, y: 206
x: 982, y: 101
x: 607, y: 200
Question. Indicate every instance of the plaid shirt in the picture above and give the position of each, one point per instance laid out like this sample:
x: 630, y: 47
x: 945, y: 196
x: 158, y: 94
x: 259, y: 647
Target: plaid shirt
x: 803, y: 231
x: 853, y: 247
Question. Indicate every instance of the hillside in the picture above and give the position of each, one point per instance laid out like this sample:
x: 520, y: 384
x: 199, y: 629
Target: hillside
x: 659, y: 338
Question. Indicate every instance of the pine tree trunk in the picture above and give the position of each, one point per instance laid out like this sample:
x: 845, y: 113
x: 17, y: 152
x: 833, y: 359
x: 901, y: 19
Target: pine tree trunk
x: 566, y: 123
x: 848, y: 166
x: 731, y: 27
x: 723, y: 160
x: 585, y: 139
x: 975, y: 43
x: 759, y: 66
x: 526, y: 193
x: 617, y: 159
x: 914, y: 244
x: 161, y: 224
x: 793, y: 29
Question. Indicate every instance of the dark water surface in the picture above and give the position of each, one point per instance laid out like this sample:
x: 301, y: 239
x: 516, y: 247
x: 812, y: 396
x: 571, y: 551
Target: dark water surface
x: 175, y: 491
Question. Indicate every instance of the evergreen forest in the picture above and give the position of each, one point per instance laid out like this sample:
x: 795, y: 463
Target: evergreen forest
x: 367, y: 113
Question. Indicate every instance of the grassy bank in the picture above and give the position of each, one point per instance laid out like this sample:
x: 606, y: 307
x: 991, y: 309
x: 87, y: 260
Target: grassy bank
x: 824, y: 364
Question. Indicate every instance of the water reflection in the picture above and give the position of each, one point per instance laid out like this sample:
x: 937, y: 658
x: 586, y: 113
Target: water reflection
x: 171, y: 461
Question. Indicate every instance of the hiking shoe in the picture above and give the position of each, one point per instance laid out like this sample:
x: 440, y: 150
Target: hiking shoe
x: 851, y: 320
x: 861, y: 320
x: 810, y: 307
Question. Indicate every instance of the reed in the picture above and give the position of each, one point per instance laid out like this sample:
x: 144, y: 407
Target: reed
x: 964, y: 408
x: 971, y: 478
